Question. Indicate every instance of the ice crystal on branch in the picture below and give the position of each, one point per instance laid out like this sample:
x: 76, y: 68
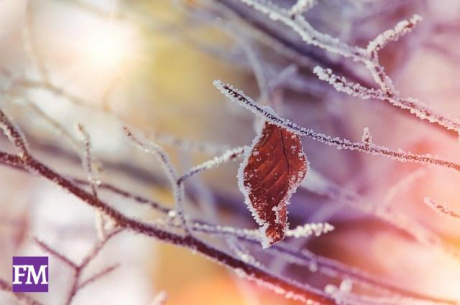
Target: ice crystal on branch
x: 308, y: 229
x: 367, y: 137
x: 418, y: 108
x: 441, y: 209
x: 301, y: 6
x: 366, y: 56
x: 341, y: 84
x: 400, y: 29
x: 240, y: 98
x: 279, y: 45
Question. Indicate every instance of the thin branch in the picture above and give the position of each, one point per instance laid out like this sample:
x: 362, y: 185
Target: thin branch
x: 416, y: 107
x: 341, y: 84
x: 128, y: 195
x: 98, y: 247
x: 367, y: 137
x: 187, y: 145
x: 267, y: 113
x: 93, y: 179
x: 302, y: 293
x: 366, y: 56
x: 400, y: 29
x: 47, y: 248
x: 21, y: 297
x: 227, y: 156
x: 55, y: 126
x: 398, y: 221
x: 326, y: 266
x: 79, y: 268
x: 272, y: 281
x: 300, y: 7
x: 76, y: 285
x: 306, y: 230
x: 95, y: 277
x: 163, y: 158
x: 218, y: 255
x: 441, y: 209
x: 306, y: 258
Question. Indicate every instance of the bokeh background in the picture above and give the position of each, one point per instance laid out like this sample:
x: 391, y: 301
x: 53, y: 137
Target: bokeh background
x: 150, y: 65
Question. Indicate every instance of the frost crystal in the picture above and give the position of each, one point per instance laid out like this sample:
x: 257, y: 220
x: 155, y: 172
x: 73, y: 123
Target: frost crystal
x: 401, y: 29
x: 441, y: 209
x: 367, y: 137
x: 310, y: 229
x: 301, y: 6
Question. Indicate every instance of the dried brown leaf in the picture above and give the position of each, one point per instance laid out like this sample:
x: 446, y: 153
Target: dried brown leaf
x: 272, y: 170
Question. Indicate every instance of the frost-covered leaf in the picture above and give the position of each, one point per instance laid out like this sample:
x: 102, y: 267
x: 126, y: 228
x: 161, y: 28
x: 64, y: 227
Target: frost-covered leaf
x: 271, y: 171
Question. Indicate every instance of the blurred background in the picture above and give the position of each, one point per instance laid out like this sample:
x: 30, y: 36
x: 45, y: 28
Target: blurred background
x: 150, y: 65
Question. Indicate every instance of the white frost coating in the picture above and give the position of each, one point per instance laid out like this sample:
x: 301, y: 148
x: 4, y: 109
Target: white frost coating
x: 306, y: 32
x: 401, y: 28
x: 265, y: 240
x: 298, y: 232
x: 277, y: 210
x: 245, y: 190
x: 227, y: 156
x: 88, y: 162
x: 441, y: 209
x: 14, y: 134
x: 238, y: 97
x: 187, y: 145
x: 165, y: 161
x: 341, y: 84
x: 330, y: 289
x: 266, y: 112
x: 157, y: 151
x: 301, y: 6
x: 226, y: 230
x: 242, y: 253
x: 102, y: 223
x: 346, y: 286
x: 367, y: 56
x: 367, y: 137
x: 310, y: 229
x: 414, y: 106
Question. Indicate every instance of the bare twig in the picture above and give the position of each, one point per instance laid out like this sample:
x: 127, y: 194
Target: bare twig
x: 367, y: 56
x: 95, y: 277
x: 441, y: 209
x: 21, y: 297
x: 237, y: 96
x: 163, y: 158
x: 93, y: 179
x: 272, y: 281
x: 56, y: 254
x: 78, y: 269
